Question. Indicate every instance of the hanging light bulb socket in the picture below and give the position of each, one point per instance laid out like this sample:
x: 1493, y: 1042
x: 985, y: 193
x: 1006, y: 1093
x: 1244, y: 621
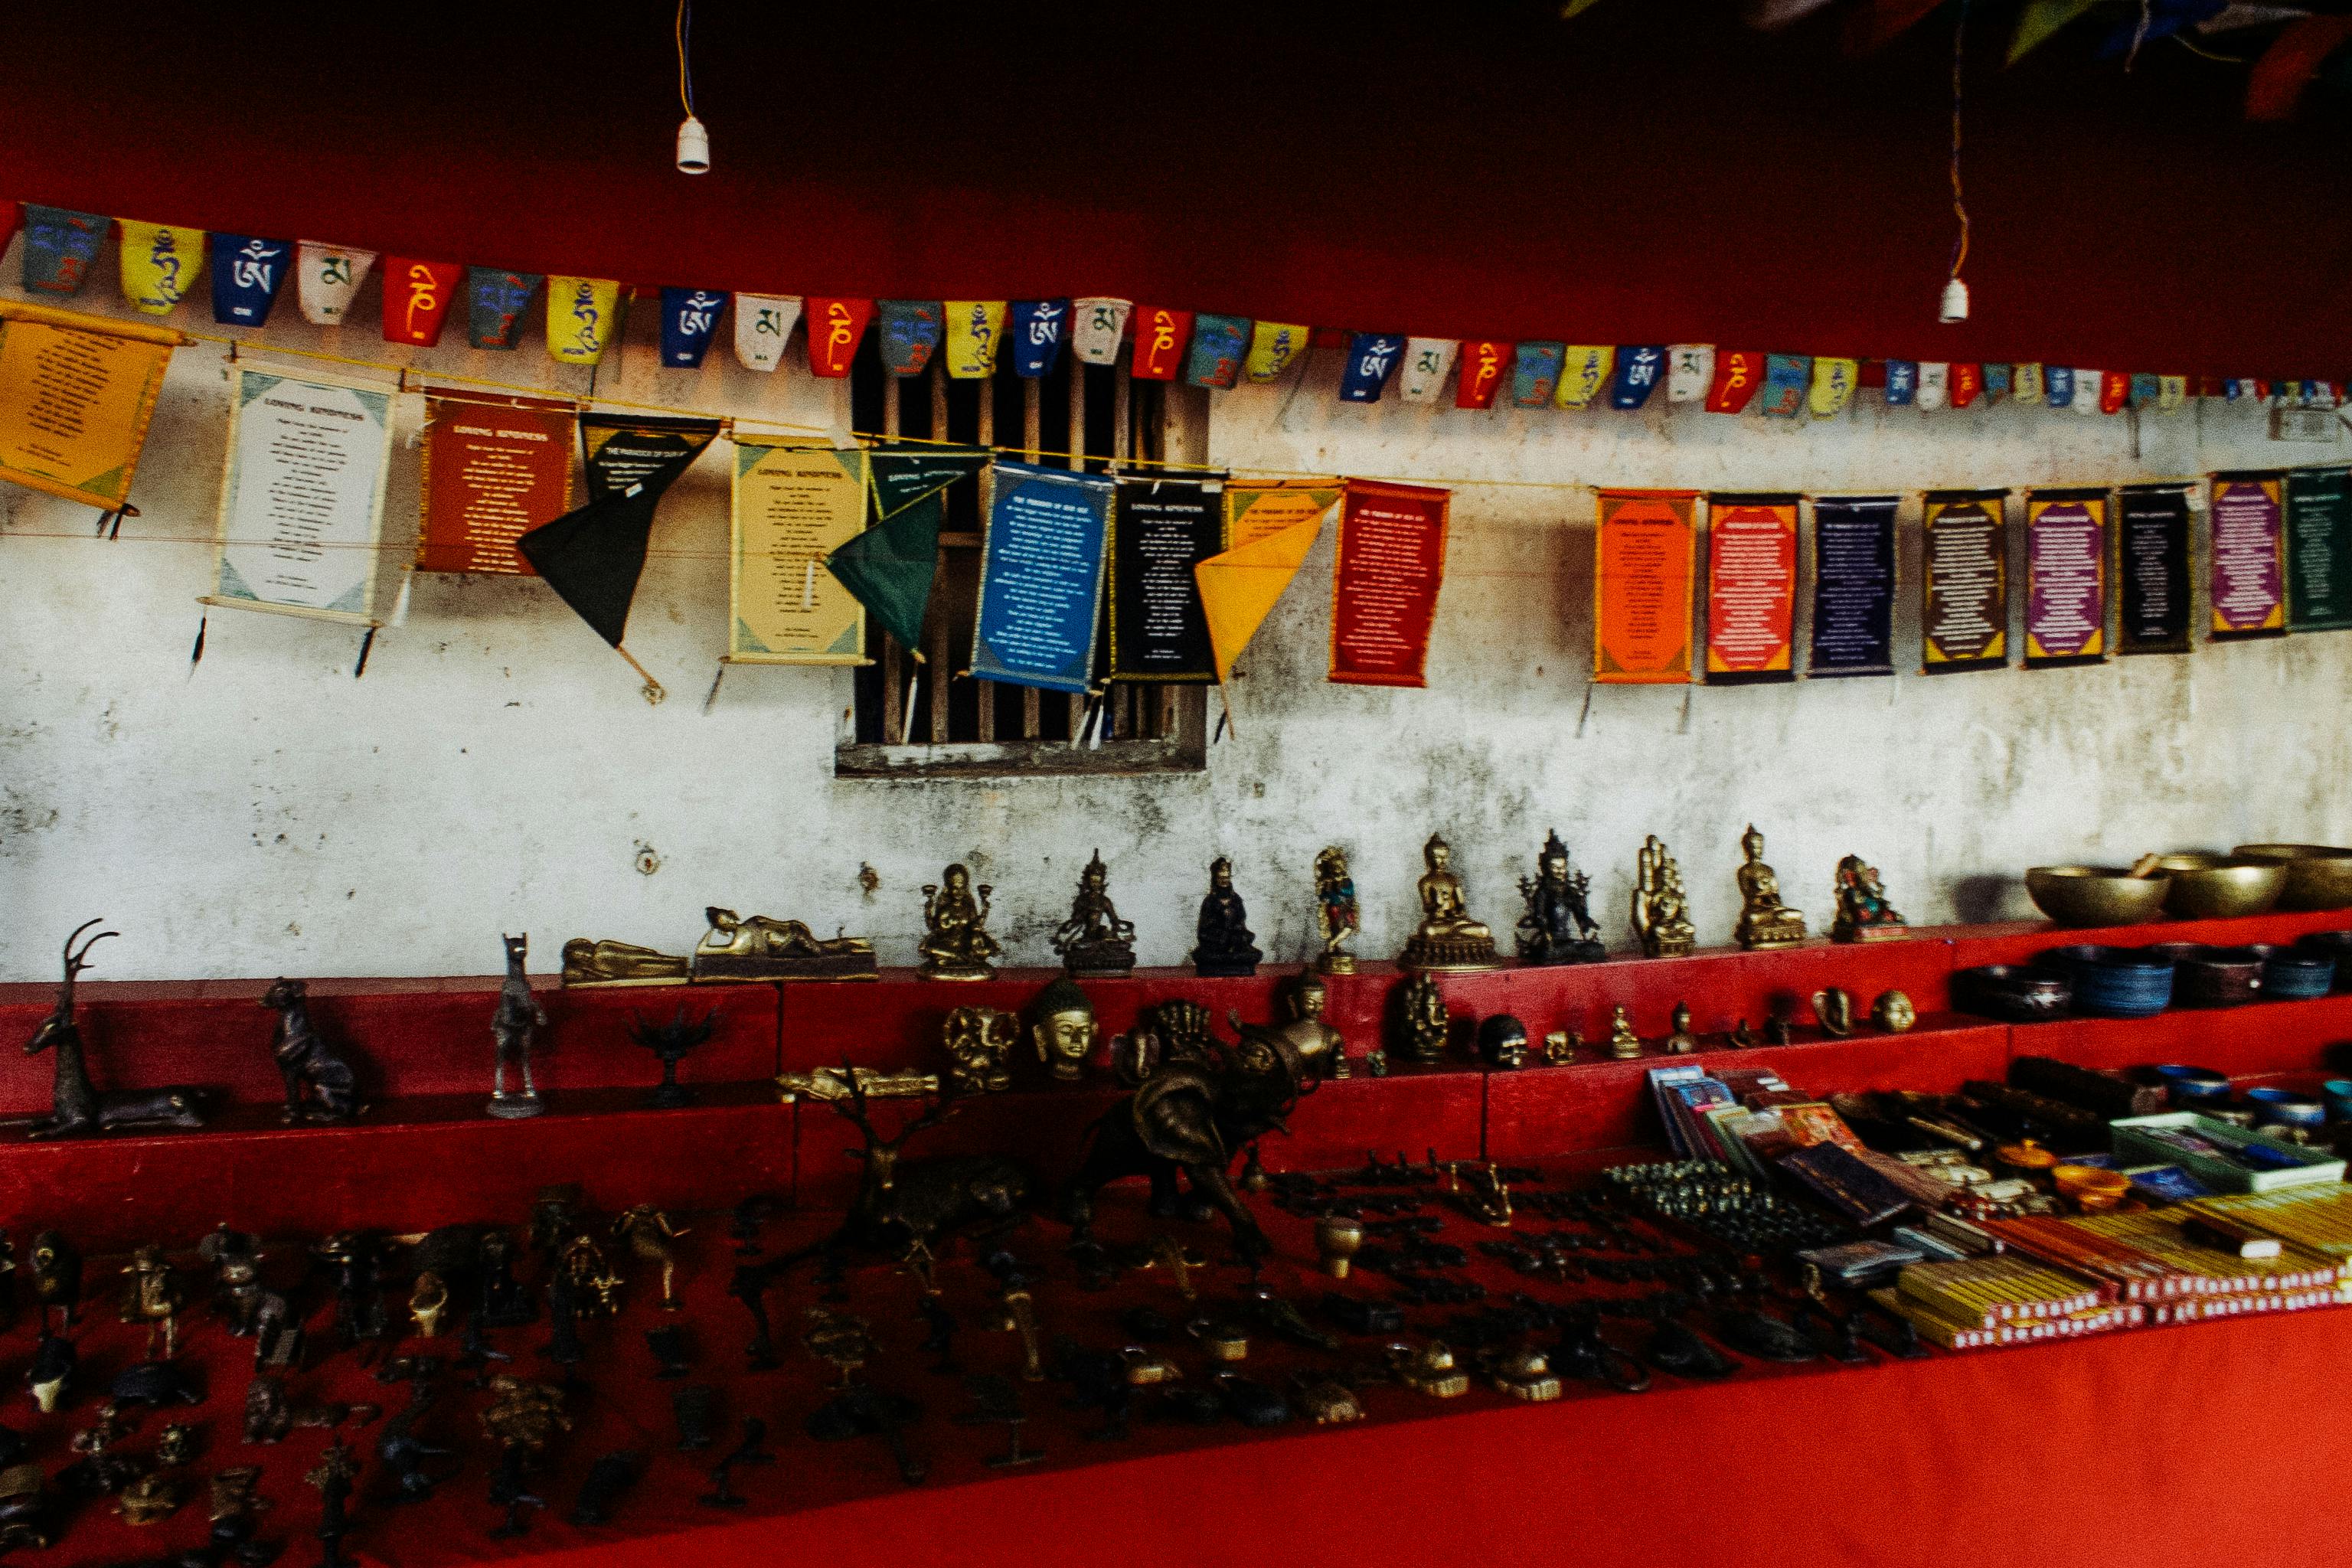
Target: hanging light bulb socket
x: 693, y: 147
x: 1955, y: 302
x: 693, y: 137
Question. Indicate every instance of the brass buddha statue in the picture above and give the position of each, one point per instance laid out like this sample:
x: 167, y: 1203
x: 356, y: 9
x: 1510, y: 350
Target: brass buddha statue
x: 1447, y: 938
x: 1661, y: 909
x: 738, y: 947
x: 1062, y: 1028
x: 587, y: 962
x: 1093, y: 942
x: 1864, y: 913
x: 1764, y: 919
x: 1316, y: 1043
x: 956, y: 944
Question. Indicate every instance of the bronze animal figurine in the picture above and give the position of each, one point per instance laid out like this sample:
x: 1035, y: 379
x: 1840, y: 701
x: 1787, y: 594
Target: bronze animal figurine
x: 56, y: 1275
x: 77, y: 1109
x: 322, y: 1085
x: 649, y: 1233
x: 513, y: 1029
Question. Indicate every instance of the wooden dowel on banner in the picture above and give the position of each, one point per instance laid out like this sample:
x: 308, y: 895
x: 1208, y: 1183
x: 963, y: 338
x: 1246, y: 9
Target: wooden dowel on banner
x: 984, y: 694
x: 894, y: 729
x: 936, y: 633
x: 653, y: 692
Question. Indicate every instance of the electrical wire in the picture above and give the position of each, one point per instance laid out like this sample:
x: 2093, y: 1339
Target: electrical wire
x: 685, y: 42
x: 1960, y: 200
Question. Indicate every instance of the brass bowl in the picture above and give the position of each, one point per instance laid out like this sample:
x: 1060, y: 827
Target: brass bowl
x: 2221, y: 886
x: 2318, y: 876
x: 2096, y: 895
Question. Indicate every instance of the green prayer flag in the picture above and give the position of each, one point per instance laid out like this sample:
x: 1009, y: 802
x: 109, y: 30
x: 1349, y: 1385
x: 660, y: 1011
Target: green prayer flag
x: 2039, y: 20
x: 889, y: 566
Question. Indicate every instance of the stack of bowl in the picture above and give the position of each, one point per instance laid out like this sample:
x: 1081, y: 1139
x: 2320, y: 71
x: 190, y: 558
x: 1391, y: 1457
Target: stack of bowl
x: 2208, y: 887
x: 2096, y: 895
x: 2206, y: 976
x: 2318, y: 876
x: 2115, y: 982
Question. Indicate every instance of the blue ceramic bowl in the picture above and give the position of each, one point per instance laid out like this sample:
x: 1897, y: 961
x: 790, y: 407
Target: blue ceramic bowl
x: 2286, y: 1108
x: 2191, y: 1087
x: 2115, y: 982
x: 2338, y: 1094
x: 2295, y: 973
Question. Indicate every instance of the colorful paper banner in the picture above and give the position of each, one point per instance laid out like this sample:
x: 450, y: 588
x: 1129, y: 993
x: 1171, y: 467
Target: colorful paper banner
x: 791, y: 508
x: 1385, y: 582
x: 1902, y: 383
x: 1220, y: 343
x: 2249, y: 580
x: 302, y: 502
x: 975, y: 330
x: 417, y: 299
x: 496, y: 303
x: 2090, y: 391
x: 1161, y: 532
x: 1738, y: 377
x: 1268, y: 530
x: 907, y: 334
x: 1039, y: 327
x: 582, y: 318
x: 1690, y: 371
x: 1485, y: 363
x: 1786, y: 378
x: 160, y: 264
x: 2115, y: 391
x: 763, y: 324
x: 1996, y: 383
x: 2319, y: 549
x: 836, y: 329
x: 2065, y: 577
x: 1935, y: 384
x: 2026, y: 383
x: 1751, y: 588
x: 1372, y: 360
x: 1853, y: 587
x: 75, y: 394
x: 1098, y: 325
x: 690, y: 325
x: 1160, y: 337
x: 492, y: 472
x: 2059, y: 382
x: 1643, y: 550
x: 61, y: 248
x: 1584, y: 373
x: 618, y: 451
x: 1967, y: 382
x: 1832, y: 388
x: 2153, y: 520
x: 1964, y: 613
x: 1273, y: 346
x: 1041, y: 578
x: 1535, y: 372
x: 326, y: 278
x: 1639, y: 368
x: 1427, y: 362
x: 248, y: 273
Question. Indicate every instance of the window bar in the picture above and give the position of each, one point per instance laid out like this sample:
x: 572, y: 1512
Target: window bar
x: 894, y: 692
x: 939, y: 631
x: 984, y: 691
x: 1122, y: 706
x: 1075, y: 441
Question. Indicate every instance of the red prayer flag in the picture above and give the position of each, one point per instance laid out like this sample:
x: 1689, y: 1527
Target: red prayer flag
x: 2275, y: 87
x: 1160, y: 337
x: 1390, y: 562
x: 1484, y: 364
x: 2115, y: 390
x: 1736, y: 377
x: 416, y: 299
x: 1966, y: 382
x: 834, y: 329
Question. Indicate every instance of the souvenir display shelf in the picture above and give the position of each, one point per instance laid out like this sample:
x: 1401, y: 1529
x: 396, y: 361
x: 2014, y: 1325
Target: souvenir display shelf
x: 2055, y: 1449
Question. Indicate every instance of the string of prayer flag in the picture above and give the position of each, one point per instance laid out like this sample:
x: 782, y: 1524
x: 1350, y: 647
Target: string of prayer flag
x: 160, y: 264
x: 689, y: 322
x: 61, y: 249
x: 1585, y: 372
x: 975, y: 328
x: 1737, y: 375
x: 1427, y: 362
x: 763, y: 323
x: 492, y: 472
x: 417, y: 299
x: 1273, y: 346
x: 1220, y: 345
x: 1832, y: 388
x: 2319, y: 549
x: 1535, y: 372
x: 791, y: 508
x: 1098, y: 325
x: 2153, y: 520
x: 1854, y: 586
x: 1161, y: 532
x: 2249, y: 557
x: 1639, y: 370
x: 582, y: 319
x: 836, y: 329
x: 1372, y: 360
x: 2065, y: 577
x: 248, y: 273
x: 496, y: 303
x: 301, y: 501
x: 1485, y: 363
x: 1690, y: 371
x: 1786, y: 378
x: 1384, y: 586
x: 1751, y: 588
x: 1041, y: 578
x: 1039, y: 328
x: 1161, y: 336
x: 75, y: 394
x: 326, y: 278
x: 907, y: 333
x: 1964, y: 617
x: 1643, y: 552
x: 1268, y: 530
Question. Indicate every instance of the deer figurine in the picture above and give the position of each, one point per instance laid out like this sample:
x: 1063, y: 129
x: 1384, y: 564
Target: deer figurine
x: 513, y: 1027
x: 77, y: 1109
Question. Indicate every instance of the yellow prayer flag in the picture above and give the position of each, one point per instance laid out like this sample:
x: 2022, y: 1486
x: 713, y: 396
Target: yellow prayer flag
x: 1833, y: 386
x: 1584, y: 374
x: 76, y: 394
x: 1268, y: 530
x: 159, y: 263
x: 2171, y: 394
x: 582, y: 314
x: 1274, y: 346
x: 2025, y: 383
x: 974, y: 329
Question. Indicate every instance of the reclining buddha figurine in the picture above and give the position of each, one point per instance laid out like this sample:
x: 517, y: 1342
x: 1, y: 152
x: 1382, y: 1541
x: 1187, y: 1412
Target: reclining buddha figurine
x: 587, y: 962
x: 758, y: 948
x: 1448, y: 938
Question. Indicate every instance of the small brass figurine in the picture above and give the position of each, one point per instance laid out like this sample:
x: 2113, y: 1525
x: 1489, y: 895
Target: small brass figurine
x: 1423, y: 1027
x: 828, y: 1084
x: 1661, y: 909
x: 54, y: 1359
x: 1561, y: 1046
x: 154, y: 1296
x: 736, y: 948
x: 673, y: 1042
x: 1093, y: 942
x: 77, y: 1109
x: 1623, y: 1043
x: 956, y: 944
x: 1503, y: 1041
x: 523, y: 1418
x: 1225, y: 945
x: 55, y: 1266
x: 1764, y: 919
x: 1062, y: 1028
x: 1681, y: 1042
x: 1338, y: 1237
x: 980, y: 1042
x: 608, y: 962
x: 1317, y: 1042
x: 1336, y: 917
x: 1893, y: 1011
x: 1448, y: 940
x: 28, y: 1516
x: 1557, y: 927
x: 337, y: 1477
x: 1833, y: 1009
x: 1863, y: 912
x: 649, y: 1232
x: 321, y: 1084
x: 513, y: 1029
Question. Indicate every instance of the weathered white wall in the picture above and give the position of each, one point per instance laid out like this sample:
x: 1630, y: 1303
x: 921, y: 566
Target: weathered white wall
x: 498, y: 770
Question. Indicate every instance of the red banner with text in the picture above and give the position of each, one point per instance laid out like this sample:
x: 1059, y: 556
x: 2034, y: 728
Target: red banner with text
x: 1751, y: 588
x: 1391, y: 560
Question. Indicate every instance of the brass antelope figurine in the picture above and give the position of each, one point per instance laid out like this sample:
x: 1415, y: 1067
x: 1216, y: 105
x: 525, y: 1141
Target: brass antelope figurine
x: 77, y: 1109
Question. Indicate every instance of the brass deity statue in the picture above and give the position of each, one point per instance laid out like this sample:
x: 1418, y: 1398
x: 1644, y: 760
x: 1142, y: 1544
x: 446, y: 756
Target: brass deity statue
x: 1864, y: 913
x: 1093, y: 942
x: 1764, y: 919
x: 1661, y: 910
x: 1318, y: 1046
x: 1335, y: 911
x: 956, y: 944
x: 1447, y: 939
x: 758, y: 948
x: 587, y: 962
x: 1424, y: 1028
x: 980, y: 1042
x: 1062, y: 1028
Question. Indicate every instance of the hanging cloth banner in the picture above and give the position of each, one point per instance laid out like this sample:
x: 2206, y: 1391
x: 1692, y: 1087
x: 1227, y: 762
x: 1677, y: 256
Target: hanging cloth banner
x: 1964, y: 613
x: 1752, y: 589
x: 326, y: 278
x: 582, y: 318
x: 1854, y: 586
x: 762, y: 324
x: 1641, y: 587
x: 891, y: 565
x: 417, y: 299
x: 791, y: 507
x: 1161, y: 336
x: 2171, y: 394
x: 2153, y: 520
x: 248, y: 273
x: 1039, y: 327
x: 1996, y: 383
x: 302, y: 502
x: 1902, y: 383
x: 1097, y: 327
x: 1968, y: 380
x: 2319, y: 549
x: 75, y: 394
x: 1160, y: 532
x: 908, y: 331
x: 2065, y: 577
x: 1427, y: 362
x: 836, y: 329
x: 1372, y: 360
x: 2090, y: 391
x: 2025, y: 384
x: 160, y: 264
x: 2249, y: 557
x: 1690, y: 371
x: 2059, y: 382
x: 2115, y: 391
x: 689, y: 323
x: 1535, y: 372
x: 1485, y: 363
x: 1639, y: 370
x: 1737, y: 375
x: 1832, y: 388
x: 975, y: 329
x: 1584, y: 373
x: 1934, y: 381
x: 492, y: 472
x: 1268, y: 530
x: 1041, y: 578
x: 1220, y: 345
x: 593, y: 555
x: 61, y: 248
x: 496, y: 303
x: 1273, y: 346
x: 1384, y: 584
x: 1785, y: 380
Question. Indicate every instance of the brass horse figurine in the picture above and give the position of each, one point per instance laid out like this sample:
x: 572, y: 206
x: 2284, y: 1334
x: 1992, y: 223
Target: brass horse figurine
x: 77, y: 1109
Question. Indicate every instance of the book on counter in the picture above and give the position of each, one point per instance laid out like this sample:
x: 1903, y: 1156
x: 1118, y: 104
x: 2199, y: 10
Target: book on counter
x: 1684, y: 1093
x: 1850, y: 1187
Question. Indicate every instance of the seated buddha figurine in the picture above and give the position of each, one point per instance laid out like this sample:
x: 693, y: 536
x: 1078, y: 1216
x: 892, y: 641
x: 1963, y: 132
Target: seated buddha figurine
x: 1764, y: 919
x: 739, y: 947
x: 608, y: 962
x: 955, y: 943
x: 1448, y: 938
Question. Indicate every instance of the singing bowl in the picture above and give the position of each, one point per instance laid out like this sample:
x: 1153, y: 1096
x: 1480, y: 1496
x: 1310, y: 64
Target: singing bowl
x: 2221, y: 886
x: 2318, y: 876
x: 2096, y: 895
